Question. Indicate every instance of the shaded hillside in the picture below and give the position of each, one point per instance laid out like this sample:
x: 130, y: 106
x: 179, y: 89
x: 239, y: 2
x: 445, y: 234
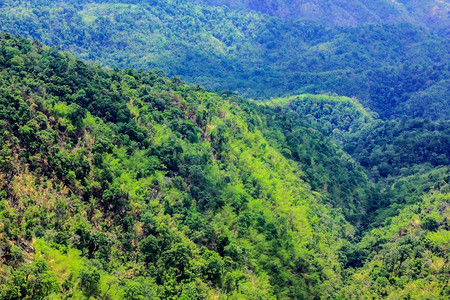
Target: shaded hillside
x: 393, y: 69
x: 394, y: 147
x: 406, y: 256
x: 403, y: 253
x: 383, y: 148
x: 432, y: 14
x: 327, y: 167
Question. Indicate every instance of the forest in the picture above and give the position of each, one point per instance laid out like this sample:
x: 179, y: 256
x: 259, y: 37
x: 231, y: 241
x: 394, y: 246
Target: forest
x: 277, y: 159
x: 393, y: 69
x: 430, y: 13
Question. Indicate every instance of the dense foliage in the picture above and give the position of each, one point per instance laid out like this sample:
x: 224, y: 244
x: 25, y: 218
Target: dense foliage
x: 407, y: 255
x: 393, y: 69
x: 393, y: 148
x: 383, y: 148
x: 124, y: 184
x: 430, y: 13
x: 128, y: 185
x: 304, y: 137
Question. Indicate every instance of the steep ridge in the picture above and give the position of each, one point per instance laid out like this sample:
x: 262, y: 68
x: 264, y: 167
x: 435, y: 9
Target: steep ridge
x: 342, y: 179
x: 406, y: 254
x: 383, y: 148
x: 127, y: 184
x: 403, y: 249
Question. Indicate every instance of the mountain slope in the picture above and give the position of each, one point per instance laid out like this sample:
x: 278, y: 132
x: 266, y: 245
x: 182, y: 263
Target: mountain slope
x: 392, y: 69
x: 407, y: 255
x: 433, y: 14
x: 384, y: 148
x: 389, y: 151
x: 125, y: 183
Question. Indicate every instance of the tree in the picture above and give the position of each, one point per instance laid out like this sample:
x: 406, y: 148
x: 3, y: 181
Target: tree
x: 89, y: 281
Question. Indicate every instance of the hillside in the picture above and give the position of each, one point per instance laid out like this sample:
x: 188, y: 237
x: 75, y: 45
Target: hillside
x: 394, y: 69
x: 383, y: 148
x: 118, y: 181
x: 406, y: 256
x: 406, y: 225
x: 125, y: 184
x: 432, y: 14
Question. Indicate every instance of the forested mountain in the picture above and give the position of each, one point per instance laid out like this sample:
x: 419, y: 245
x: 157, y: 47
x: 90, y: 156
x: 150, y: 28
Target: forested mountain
x: 402, y: 258
x: 126, y: 183
x: 395, y: 70
x: 429, y: 13
x: 120, y: 182
x: 384, y: 148
x: 123, y: 184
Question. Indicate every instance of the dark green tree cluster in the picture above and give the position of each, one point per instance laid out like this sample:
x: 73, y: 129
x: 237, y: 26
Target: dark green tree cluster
x: 387, y: 150
x: 303, y: 128
x: 383, y: 148
x: 394, y: 147
x: 406, y: 255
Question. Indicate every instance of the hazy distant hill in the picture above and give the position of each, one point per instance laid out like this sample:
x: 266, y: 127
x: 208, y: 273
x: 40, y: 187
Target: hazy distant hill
x: 394, y: 69
x: 431, y: 13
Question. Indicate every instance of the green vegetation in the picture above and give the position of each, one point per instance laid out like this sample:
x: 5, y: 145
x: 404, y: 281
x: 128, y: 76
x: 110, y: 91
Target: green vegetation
x: 294, y: 127
x: 126, y: 184
x: 123, y: 184
x: 430, y: 13
x: 395, y: 147
x: 389, y: 151
x: 394, y: 69
x: 406, y: 257
x: 383, y: 148
x: 333, y: 116
x: 163, y: 189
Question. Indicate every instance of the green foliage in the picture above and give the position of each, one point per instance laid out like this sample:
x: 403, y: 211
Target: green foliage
x: 89, y: 280
x: 383, y: 148
x: 394, y: 69
x: 346, y: 13
x: 407, y: 256
x: 392, y: 148
x: 30, y: 281
x: 146, y: 177
x: 128, y: 184
x: 300, y: 126
x: 331, y: 115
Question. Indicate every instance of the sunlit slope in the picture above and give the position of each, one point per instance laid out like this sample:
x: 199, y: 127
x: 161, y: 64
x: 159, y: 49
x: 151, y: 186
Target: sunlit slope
x: 383, y: 148
x: 406, y: 254
x: 155, y: 187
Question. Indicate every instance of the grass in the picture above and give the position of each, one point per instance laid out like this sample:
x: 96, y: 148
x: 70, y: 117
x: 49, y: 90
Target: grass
x: 69, y: 264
